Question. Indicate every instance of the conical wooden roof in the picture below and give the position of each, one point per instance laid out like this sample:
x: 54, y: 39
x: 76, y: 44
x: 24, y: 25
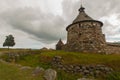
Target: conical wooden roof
x: 60, y: 42
x: 82, y: 16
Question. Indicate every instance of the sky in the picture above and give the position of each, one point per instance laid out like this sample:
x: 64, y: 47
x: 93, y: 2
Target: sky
x: 41, y: 23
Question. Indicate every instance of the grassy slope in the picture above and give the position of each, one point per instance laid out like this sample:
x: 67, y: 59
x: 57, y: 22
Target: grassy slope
x: 43, y: 59
x: 11, y: 72
x: 71, y: 58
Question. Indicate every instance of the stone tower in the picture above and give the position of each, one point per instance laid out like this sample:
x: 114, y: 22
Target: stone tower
x: 59, y: 45
x: 85, y: 35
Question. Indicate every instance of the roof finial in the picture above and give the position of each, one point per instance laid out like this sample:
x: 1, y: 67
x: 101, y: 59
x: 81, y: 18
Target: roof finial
x: 81, y: 3
x: 81, y: 8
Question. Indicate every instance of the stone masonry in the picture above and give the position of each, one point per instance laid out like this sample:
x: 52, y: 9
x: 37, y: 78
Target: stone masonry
x: 84, y: 70
x: 85, y: 35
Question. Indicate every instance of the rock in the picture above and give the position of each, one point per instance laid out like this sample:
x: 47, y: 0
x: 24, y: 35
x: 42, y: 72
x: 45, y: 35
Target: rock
x: 25, y: 68
x: 84, y: 79
x: 37, y: 71
x: 18, y: 65
x: 84, y: 67
x: 97, y: 72
x: 92, y: 73
x: 107, y: 69
x: 102, y: 68
x: 57, y: 60
x: 77, y: 67
x: 63, y: 68
x: 80, y: 70
x: 71, y: 66
x: 58, y: 57
x: 86, y: 72
x: 111, y: 69
x: 50, y: 74
x: 92, y: 67
x: 60, y: 66
x: 87, y: 68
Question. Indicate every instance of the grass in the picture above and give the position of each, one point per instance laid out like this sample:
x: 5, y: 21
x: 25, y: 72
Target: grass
x: 67, y: 76
x: 80, y: 58
x: 43, y: 59
x: 11, y: 72
x: 72, y: 58
x: 113, y: 76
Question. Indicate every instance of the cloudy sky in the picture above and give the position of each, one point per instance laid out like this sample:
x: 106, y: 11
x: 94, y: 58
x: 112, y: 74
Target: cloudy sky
x: 41, y: 23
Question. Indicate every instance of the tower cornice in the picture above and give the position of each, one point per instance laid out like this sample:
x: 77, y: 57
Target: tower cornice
x: 84, y: 21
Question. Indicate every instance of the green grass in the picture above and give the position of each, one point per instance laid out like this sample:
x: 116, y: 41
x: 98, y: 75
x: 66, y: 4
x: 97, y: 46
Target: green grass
x: 113, y: 76
x: 34, y: 61
x: 72, y: 58
x: 11, y: 72
x: 43, y: 59
x: 67, y: 76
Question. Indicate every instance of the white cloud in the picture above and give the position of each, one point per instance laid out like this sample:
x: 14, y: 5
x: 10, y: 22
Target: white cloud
x: 40, y: 23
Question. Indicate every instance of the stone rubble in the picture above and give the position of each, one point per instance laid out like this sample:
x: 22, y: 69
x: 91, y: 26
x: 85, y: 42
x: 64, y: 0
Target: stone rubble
x: 85, y: 70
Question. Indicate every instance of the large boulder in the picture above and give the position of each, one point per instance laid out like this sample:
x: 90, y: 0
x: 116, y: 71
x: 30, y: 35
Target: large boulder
x: 37, y: 71
x: 50, y: 74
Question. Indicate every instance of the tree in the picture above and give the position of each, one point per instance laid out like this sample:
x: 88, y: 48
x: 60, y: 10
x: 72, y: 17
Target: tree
x: 9, y: 41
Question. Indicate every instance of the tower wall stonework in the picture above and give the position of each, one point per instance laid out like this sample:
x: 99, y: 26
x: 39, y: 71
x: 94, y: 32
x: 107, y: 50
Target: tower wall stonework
x: 85, y: 37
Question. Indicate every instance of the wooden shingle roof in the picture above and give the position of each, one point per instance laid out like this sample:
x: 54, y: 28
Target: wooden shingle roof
x: 82, y: 16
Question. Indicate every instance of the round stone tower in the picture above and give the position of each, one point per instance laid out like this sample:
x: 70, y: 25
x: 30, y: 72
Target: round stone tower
x: 85, y: 35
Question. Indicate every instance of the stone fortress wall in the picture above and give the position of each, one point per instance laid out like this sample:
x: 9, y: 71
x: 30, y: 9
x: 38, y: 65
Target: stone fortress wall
x: 113, y: 48
x: 84, y: 70
x: 85, y: 35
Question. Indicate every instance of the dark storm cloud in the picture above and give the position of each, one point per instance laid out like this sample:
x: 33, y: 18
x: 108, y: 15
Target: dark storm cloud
x: 46, y: 27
